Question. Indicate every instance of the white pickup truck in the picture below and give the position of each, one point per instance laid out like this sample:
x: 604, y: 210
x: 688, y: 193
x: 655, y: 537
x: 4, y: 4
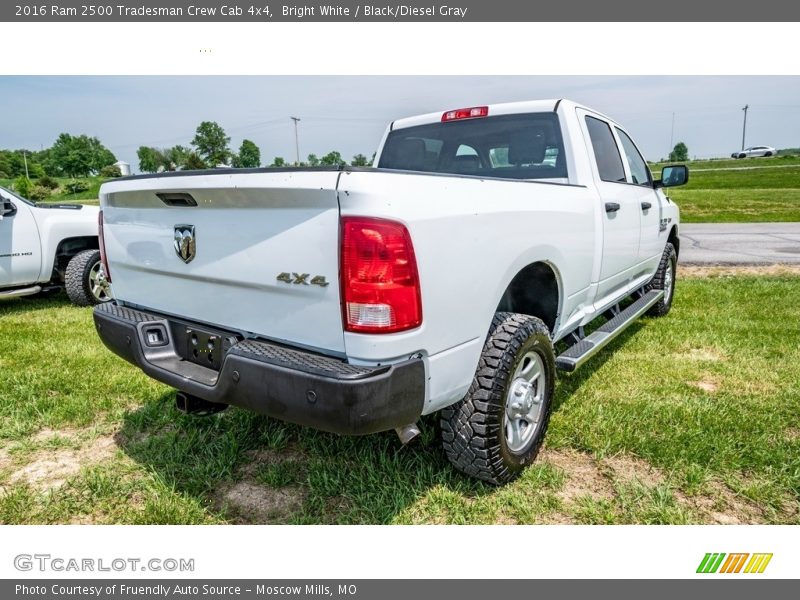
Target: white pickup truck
x: 47, y: 247
x: 355, y: 300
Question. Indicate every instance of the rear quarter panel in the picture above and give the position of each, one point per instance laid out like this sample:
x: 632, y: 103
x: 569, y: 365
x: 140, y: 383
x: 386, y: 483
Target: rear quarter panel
x: 471, y: 236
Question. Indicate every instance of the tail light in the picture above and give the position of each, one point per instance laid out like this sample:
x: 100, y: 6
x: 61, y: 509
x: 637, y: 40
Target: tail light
x: 102, y: 244
x: 465, y: 113
x: 379, y: 278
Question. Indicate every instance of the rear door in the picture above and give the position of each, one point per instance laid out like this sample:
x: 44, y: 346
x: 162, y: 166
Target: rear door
x: 20, y: 245
x: 620, y: 205
x: 250, y: 252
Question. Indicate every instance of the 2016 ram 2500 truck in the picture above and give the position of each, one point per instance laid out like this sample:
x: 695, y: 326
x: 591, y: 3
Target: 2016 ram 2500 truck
x: 355, y: 300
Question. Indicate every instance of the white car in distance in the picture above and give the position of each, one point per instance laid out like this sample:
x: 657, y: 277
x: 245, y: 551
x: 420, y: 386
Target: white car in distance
x: 754, y: 152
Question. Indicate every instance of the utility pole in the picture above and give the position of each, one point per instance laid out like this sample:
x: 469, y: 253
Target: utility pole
x: 25, y: 159
x: 296, y: 141
x: 672, y: 134
x: 744, y: 124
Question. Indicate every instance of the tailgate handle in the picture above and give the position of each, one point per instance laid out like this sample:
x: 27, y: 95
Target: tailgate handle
x: 177, y: 199
x: 612, y: 206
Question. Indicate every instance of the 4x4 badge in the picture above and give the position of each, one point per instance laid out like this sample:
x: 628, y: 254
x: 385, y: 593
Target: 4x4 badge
x: 185, y: 242
x: 302, y: 278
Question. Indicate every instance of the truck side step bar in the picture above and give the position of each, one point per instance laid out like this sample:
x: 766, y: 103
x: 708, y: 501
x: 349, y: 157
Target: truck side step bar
x: 574, y: 356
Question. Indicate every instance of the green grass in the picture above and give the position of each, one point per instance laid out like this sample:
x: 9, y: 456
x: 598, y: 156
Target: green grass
x: 61, y: 195
x: 686, y: 417
x: 719, y: 191
x: 742, y: 191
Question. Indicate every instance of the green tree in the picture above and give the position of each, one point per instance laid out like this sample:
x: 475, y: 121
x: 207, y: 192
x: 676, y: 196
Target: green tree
x: 23, y: 186
x: 313, y: 161
x: 249, y: 156
x: 359, y: 160
x: 332, y: 158
x: 278, y: 161
x: 212, y: 143
x: 150, y: 159
x: 679, y: 153
x: 79, y: 156
x: 175, y: 157
x: 194, y: 162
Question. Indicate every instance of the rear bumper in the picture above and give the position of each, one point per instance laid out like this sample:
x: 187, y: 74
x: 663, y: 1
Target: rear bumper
x: 281, y: 382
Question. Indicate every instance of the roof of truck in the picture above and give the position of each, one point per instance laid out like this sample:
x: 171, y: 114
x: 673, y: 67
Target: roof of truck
x: 505, y: 108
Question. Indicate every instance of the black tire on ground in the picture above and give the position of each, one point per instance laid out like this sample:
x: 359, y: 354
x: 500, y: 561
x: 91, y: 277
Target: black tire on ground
x: 743, y: 156
x: 77, y: 279
x: 768, y: 154
x: 664, y: 279
x: 474, y: 429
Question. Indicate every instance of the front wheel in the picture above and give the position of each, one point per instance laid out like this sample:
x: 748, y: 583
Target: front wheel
x: 85, y: 281
x: 496, y: 430
x: 664, y: 279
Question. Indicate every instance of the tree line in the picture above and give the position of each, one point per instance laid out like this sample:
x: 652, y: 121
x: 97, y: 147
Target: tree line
x: 76, y: 156
x: 69, y: 156
x: 210, y: 148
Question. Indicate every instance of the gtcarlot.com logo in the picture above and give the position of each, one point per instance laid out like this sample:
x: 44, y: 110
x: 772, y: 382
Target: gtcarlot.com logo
x: 719, y: 562
x: 47, y: 562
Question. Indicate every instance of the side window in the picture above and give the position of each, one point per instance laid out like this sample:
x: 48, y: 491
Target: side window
x: 606, y: 153
x: 639, y: 171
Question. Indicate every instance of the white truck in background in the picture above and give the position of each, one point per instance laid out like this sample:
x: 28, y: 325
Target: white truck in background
x: 355, y: 300
x: 47, y: 247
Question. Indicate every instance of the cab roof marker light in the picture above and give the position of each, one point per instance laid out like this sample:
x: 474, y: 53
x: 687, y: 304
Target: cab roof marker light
x: 458, y: 114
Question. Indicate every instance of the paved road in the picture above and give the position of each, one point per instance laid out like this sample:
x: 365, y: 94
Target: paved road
x: 740, y: 243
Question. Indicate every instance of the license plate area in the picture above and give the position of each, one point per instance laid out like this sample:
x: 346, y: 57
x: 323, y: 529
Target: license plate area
x: 206, y: 348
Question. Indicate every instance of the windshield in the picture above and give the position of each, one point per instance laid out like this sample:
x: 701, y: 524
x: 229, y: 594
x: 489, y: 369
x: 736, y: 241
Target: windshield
x: 9, y: 194
x: 526, y: 146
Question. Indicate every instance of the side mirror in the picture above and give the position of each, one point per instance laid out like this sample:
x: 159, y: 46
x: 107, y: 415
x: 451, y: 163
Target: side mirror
x: 672, y: 176
x: 7, y: 210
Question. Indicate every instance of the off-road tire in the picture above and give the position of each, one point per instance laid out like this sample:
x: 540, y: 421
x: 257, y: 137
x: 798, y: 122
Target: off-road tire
x: 76, y: 278
x: 472, y: 430
x: 668, y: 259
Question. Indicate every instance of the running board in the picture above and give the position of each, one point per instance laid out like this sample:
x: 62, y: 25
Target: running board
x: 574, y: 356
x: 19, y: 292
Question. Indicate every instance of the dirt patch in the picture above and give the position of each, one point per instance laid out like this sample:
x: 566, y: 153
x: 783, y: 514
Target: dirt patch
x: 253, y: 503
x: 629, y: 469
x: 47, y: 469
x: 697, y: 271
x: 249, y: 501
x: 583, y: 475
x: 701, y: 354
x: 720, y: 505
x: 791, y: 434
x: 706, y: 384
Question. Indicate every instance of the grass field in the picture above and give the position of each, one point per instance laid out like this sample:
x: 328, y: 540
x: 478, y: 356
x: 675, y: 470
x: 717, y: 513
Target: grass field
x: 688, y: 419
x: 747, y: 191
x: 719, y: 191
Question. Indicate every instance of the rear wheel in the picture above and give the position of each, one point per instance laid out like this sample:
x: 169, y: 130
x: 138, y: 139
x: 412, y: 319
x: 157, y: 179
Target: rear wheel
x: 768, y: 154
x: 85, y: 281
x: 499, y: 426
x: 664, y: 279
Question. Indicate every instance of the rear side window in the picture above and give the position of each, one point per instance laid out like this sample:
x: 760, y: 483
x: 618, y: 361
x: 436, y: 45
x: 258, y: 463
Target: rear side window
x: 606, y: 153
x: 640, y: 174
x: 526, y: 146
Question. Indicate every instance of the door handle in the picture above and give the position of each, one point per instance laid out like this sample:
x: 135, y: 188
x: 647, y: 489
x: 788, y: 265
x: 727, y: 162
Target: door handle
x: 612, y: 206
x: 646, y: 206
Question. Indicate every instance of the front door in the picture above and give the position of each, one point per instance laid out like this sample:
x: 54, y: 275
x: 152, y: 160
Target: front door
x: 20, y: 250
x: 620, y: 206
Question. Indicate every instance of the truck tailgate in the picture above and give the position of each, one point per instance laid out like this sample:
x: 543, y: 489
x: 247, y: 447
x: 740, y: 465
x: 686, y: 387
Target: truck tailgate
x: 247, y: 229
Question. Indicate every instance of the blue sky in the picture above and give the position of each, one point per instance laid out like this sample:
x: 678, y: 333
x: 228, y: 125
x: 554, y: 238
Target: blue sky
x: 349, y: 114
